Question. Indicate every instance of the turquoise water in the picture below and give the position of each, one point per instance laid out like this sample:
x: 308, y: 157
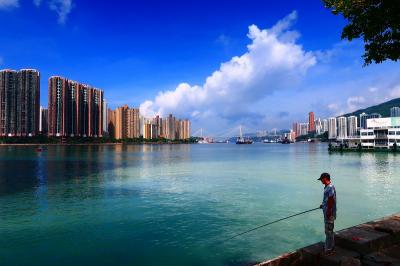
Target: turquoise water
x: 174, y: 204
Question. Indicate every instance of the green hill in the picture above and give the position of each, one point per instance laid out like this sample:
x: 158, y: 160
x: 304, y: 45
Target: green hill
x: 383, y: 108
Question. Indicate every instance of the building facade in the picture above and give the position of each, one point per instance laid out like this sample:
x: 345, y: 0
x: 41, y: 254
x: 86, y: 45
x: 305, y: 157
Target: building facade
x: 352, y: 127
x: 395, y: 111
x: 43, y: 121
x: 127, y: 122
x: 75, y: 109
x: 332, y: 128
x: 342, y: 127
x: 19, y: 102
x: 311, y: 125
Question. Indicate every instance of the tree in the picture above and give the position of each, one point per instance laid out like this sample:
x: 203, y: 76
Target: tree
x: 376, y: 21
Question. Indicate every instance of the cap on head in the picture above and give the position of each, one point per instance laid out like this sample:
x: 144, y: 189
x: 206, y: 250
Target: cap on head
x: 325, y: 175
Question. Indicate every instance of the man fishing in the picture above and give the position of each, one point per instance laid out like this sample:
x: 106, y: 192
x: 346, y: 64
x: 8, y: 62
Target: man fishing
x: 329, y: 209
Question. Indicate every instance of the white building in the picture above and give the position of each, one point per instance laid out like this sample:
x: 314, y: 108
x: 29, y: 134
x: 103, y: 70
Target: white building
x: 332, y: 128
x: 303, y: 129
x: 324, y: 125
x: 381, y: 132
x: 352, y: 126
x: 342, y: 127
x: 318, y: 126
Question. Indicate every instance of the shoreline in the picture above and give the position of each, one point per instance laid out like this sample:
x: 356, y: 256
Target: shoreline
x: 86, y: 144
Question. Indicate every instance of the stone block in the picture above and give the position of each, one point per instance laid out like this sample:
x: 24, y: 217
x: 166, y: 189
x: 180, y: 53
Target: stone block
x: 313, y: 255
x: 362, y: 239
x: 390, y: 225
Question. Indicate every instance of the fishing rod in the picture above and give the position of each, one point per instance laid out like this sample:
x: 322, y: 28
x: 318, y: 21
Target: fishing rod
x: 258, y: 227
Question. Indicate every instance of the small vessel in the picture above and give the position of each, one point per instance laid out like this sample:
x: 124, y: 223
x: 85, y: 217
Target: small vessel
x: 241, y: 140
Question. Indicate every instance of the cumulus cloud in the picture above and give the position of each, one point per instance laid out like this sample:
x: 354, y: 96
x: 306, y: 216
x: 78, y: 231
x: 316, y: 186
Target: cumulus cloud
x: 61, y: 7
x: 273, y: 61
x: 355, y: 102
x: 6, y: 4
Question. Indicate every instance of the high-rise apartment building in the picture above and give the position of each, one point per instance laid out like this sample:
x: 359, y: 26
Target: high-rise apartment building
x: 19, y: 102
x: 43, y: 120
x: 342, y: 127
x: 170, y: 127
x: 395, y: 111
x: 364, y: 117
x: 111, y: 122
x: 105, y: 118
x: 311, y: 125
x: 352, y: 126
x: 295, y: 129
x: 304, y: 129
x: 325, y: 125
x: 332, y: 128
x: 318, y: 126
x: 127, y: 122
x: 75, y: 109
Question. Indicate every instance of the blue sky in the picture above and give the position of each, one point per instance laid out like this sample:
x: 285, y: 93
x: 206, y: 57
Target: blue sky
x: 201, y: 60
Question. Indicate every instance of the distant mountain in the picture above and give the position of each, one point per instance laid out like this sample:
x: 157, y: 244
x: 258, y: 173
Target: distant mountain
x: 383, y: 108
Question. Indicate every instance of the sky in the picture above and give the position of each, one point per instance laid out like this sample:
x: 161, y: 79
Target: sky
x: 260, y: 64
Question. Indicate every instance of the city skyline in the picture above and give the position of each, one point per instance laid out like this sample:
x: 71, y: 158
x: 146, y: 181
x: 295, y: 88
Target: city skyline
x: 203, y: 69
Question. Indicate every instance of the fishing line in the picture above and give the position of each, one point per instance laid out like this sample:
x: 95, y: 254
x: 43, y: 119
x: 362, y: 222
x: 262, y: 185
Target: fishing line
x: 258, y: 227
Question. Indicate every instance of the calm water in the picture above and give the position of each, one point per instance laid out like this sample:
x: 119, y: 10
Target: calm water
x: 173, y: 204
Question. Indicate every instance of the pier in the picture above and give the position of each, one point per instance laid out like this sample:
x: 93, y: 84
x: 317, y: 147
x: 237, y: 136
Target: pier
x: 371, y: 244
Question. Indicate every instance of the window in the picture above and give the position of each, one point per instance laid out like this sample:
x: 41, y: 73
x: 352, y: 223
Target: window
x: 392, y: 132
x: 370, y: 133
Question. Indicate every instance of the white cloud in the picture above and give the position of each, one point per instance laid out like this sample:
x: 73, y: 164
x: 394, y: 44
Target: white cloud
x: 355, y: 102
x: 6, y: 4
x: 62, y: 8
x: 273, y: 61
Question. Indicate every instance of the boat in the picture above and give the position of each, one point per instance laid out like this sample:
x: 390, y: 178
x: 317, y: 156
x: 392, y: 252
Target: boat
x: 285, y: 141
x: 241, y: 139
x: 269, y: 141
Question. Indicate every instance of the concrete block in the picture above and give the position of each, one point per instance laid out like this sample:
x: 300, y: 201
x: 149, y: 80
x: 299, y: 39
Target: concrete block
x: 362, y: 239
x: 313, y: 255
x: 390, y: 225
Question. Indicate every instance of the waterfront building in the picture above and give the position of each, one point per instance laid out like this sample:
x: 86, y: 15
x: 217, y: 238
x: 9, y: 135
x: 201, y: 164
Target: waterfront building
x: 352, y: 126
x: 311, y: 125
x: 295, y: 129
x: 170, y: 127
x: 19, y: 102
x: 43, y: 120
x: 111, y: 122
x: 381, y: 133
x: 395, y: 111
x: 324, y: 125
x: 341, y: 127
x: 75, y: 109
x: 105, y: 117
x: 318, y: 126
x: 127, y: 122
x: 304, y: 129
x: 332, y: 128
